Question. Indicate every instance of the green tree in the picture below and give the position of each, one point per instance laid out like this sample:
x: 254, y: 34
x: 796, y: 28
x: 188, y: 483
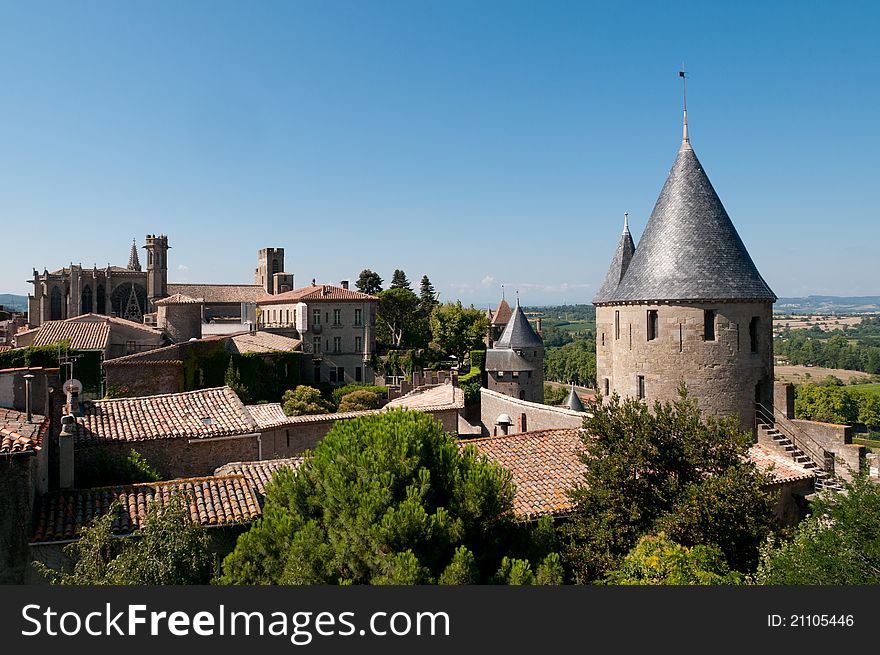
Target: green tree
x: 388, y: 499
x: 399, y: 321
x: 838, y: 545
x: 369, y: 282
x: 573, y: 362
x: 304, y: 400
x: 869, y: 409
x: 457, y: 329
x: 658, y: 560
x: 657, y: 469
x: 399, y: 280
x: 829, y: 404
x: 358, y: 400
x: 427, y: 295
x: 167, y: 550
x: 232, y: 378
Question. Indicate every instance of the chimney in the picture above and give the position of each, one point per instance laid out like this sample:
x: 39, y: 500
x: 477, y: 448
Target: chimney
x: 344, y: 284
x: 538, y: 324
x: 28, y: 399
x: 65, y: 454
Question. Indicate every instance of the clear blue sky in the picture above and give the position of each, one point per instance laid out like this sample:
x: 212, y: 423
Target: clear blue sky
x: 478, y: 142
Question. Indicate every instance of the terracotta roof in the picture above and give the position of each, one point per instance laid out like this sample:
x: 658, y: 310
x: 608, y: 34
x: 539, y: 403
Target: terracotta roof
x: 278, y: 421
x: 316, y: 292
x: 17, y: 435
x: 544, y: 465
x: 268, y: 415
x: 426, y: 399
x: 259, y: 474
x: 201, y: 414
x: 178, y: 299
x: 88, y: 335
x: 261, y: 342
x: 219, y: 293
x: 779, y: 467
x: 213, y: 501
x: 501, y: 315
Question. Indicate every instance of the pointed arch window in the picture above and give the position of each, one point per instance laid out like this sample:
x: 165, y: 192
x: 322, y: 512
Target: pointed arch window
x: 101, y: 300
x: 86, y: 300
x: 55, y: 305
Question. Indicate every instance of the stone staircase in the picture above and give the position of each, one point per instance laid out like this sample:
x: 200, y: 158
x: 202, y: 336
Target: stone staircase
x: 824, y: 481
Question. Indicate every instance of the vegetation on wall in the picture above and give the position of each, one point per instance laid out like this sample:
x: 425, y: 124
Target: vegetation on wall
x: 110, y: 470
x: 837, y: 404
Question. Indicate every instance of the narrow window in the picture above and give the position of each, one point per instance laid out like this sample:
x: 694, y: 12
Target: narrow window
x: 522, y: 395
x: 358, y: 344
x: 652, y: 324
x: 317, y: 345
x: 358, y: 317
x: 641, y: 387
x: 340, y: 374
x: 318, y: 373
x: 603, y: 338
x: 709, y: 325
x: 337, y: 344
x: 337, y: 317
x: 316, y: 317
x: 332, y: 375
x: 753, y: 333
x: 607, y: 387
x: 358, y: 375
x: 287, y: 432
x: 616, y: 325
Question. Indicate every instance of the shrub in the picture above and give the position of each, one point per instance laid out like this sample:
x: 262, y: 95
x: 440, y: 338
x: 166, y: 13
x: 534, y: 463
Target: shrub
x: 358, y: 400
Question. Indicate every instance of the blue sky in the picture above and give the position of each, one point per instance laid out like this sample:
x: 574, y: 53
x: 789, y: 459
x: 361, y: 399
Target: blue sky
x: 482, y: 143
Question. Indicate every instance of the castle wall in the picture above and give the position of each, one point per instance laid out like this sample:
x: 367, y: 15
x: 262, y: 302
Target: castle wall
x: 722, y: 374
x: 537, y: 416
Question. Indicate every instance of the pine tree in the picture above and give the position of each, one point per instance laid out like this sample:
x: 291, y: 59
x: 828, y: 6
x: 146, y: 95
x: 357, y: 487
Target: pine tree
x: 427, y: 295
x: 399, y: 280
x: 369, y: 282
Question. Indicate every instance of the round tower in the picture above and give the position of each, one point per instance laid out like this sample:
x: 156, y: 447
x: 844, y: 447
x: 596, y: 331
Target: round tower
x: 686, y: 305
x: 515, y: 363
x: 180, y: 317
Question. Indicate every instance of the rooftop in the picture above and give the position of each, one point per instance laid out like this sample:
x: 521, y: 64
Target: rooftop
x: 90, y: 335
x: 519, y: 332
x: 212, y: 501
x: 778, y: 467
x: 259, y: 474
x: 316, y: 292
x: 261, y: 342
x: 18, y: 435
x: 219, y: 293
x: 201, y: 414
x: 426, y: 399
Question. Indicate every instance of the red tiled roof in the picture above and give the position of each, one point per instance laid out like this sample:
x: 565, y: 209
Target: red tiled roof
x: 316, y: 292
x: 544, y: 465
x: 427, y: 399
x: 179, y: 299
x: 779, y: 467
x: 113, y: 320
x: 219, y: 293
x: 87, y: 335
x: 501, y: 316
x: 212, y: 501
x: 261, y: 342
x: 201, y: 414
x: 259, y: 473
x: 268, y: 415
x: 17, y: 435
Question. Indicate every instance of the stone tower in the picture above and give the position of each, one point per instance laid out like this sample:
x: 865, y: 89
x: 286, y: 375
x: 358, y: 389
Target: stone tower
x: 515, y: 363
x: 180, y: 317
x: 687, y: 304
x: 270, y: 271
x: 157, y: 266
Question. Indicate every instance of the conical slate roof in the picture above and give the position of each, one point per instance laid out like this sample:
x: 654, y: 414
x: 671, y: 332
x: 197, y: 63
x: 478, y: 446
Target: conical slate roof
x: 619, y: 264
x: 573, y: 401
x: 134, y: 263
x: 690, y: 250
x: 519, y: 332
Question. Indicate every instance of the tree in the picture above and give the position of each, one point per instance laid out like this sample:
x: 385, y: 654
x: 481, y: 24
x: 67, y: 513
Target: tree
x: 573, y: 362
x: 369, y: 282
x: 358, y: 400
x: 829, y: 404
x: 167, y: 550
x: 427, y: 295
x: 458, y: 330
x: 400, y: 323
x: 838, y: 545
x: 304, y: 400
x: 232, y: 378
x: 660, y: 561
x: 399, y: 280
x: 869, y: 409
x: 388, y: 499
x: 657, y: 469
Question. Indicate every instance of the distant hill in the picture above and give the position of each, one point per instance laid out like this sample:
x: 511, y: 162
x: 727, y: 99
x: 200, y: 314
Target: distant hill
x: 13, y: 302
x: 828, y: 305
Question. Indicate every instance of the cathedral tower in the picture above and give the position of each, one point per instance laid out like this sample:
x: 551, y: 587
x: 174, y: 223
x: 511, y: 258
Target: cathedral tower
x: 270, y: 271
x: 686, y: 304
x: 157, y: 266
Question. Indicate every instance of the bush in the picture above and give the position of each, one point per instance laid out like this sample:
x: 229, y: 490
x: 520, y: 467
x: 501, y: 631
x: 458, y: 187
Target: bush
x: 110, y: 471
x: 471, y: 383
x: 358, y: 400
x: 304, y: 400
x: 339, y: 392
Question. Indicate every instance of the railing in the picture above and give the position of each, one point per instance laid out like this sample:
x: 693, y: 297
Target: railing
x: 777, y: 420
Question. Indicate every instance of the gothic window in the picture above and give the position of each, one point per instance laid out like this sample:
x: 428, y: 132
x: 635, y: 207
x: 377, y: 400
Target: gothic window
x: 101, y: 304
x: 55, y: 305
x: 86, y: 301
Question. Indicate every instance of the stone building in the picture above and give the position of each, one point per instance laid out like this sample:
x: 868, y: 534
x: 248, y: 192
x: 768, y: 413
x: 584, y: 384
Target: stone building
x: 515, y: 363
x: 336, y: 325
x: 686, y: 305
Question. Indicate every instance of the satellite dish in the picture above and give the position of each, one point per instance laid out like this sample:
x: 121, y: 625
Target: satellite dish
x: 72, y: 386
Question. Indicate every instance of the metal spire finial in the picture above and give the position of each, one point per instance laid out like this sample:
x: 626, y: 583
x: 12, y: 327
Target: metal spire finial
x: 685, y: 141
x: 626, y: 221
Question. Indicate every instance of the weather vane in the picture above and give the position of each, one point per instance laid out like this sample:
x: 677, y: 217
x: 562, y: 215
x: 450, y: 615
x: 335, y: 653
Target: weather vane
x: 683, y: 75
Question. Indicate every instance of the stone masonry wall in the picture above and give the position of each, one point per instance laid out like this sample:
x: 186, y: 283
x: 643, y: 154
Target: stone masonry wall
x: 538, y: 417
x: 721, y: 374
x: 16, y: 506
x: 836, y: 439
x: 144, y: 378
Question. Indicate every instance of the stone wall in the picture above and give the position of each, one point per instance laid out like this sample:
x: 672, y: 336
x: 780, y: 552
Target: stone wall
x: 12, y: 388
x: 17, y: 491
x: 721, y: 374
x: 791, y: 505
x: 173, y: 458
x: 537, y: 416
x: 144, y: 378
x: 833, y: 439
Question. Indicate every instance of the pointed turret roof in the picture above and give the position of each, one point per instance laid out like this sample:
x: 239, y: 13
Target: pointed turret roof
x: 690, y: 250
x: 502, y: 314
x: 619, y: 264
x: 134, y: 264
x: 519, y: 332
x: 573, y: 401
